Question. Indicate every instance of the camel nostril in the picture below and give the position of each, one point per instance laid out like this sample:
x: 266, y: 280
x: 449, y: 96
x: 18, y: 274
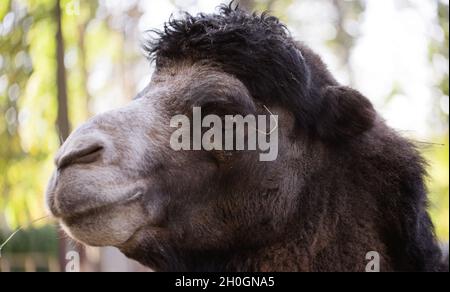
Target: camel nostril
x: 83, y: 155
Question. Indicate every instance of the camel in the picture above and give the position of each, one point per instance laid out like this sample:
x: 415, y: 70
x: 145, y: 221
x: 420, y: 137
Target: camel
x: 343, y: 184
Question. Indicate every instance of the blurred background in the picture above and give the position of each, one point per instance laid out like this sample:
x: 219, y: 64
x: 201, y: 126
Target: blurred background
x: 62, y: 61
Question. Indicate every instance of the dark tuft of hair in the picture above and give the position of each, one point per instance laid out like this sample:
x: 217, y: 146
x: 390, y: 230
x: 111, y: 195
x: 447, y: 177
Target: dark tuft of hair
x: 255, y: 48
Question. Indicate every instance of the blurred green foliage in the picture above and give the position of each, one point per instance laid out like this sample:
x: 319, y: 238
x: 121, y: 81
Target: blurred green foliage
x: 28, y: 106
x: 438, y: 179
x: 43, y: 240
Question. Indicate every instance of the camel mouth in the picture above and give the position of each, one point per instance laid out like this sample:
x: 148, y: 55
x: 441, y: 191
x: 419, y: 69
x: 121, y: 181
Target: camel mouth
x: 73, y: 217
x: 109, y: 225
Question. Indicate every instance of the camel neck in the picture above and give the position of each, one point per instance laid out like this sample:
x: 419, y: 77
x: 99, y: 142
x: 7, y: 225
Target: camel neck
x: 278, y: 257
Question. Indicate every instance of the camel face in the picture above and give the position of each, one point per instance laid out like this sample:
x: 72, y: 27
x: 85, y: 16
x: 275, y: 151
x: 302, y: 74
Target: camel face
x: 118, y: 176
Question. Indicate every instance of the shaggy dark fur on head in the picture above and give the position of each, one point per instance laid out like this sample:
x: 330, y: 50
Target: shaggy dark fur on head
x: 260, y: 52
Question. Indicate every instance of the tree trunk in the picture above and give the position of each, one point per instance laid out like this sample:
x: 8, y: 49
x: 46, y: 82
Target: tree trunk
x: 62, y: 122
x: 84, y: 67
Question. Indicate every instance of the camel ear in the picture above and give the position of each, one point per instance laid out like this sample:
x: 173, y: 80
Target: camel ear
x: 345, y: 113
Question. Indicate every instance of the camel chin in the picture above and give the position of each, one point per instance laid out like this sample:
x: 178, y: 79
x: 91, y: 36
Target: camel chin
x: 112, y: 226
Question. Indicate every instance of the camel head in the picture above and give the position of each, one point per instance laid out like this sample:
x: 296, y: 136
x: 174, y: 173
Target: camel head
x: 212, y: 202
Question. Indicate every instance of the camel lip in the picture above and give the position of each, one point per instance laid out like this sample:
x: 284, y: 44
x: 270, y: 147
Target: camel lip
x: 70, y: 217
